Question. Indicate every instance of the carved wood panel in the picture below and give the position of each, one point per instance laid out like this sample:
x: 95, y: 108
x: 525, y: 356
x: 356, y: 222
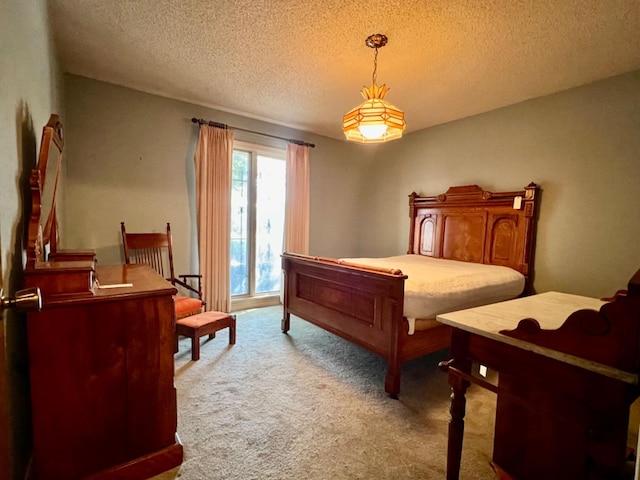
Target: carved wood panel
x: 428, y: 238
x: 463, y: 236
x: 503, y: 240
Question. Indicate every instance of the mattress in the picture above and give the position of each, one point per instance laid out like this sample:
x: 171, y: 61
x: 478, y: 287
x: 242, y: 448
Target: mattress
x: 436, y: 285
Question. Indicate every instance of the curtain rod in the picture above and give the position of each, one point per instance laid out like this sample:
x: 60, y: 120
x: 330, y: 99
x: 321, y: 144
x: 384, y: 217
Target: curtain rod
x: 201, y: 121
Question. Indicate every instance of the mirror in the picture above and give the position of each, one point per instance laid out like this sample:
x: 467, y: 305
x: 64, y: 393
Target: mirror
x: 42, y: 234
x: 51, y: 155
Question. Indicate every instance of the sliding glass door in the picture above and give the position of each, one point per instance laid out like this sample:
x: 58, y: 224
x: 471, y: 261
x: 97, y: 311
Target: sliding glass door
x: 257, y: 224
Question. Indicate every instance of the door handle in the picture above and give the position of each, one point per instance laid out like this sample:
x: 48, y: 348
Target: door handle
x: 28, y: 299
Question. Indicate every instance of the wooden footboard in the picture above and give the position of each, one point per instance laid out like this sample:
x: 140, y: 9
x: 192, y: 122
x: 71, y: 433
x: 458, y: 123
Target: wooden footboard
x: 360, y: 304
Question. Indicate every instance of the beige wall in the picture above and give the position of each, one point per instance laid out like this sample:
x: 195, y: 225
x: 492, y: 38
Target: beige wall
x: 582, y: 146
x: 29, y: 93
x: 129, y: 157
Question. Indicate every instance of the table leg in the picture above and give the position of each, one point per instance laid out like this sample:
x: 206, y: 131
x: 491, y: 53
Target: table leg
x: 456, y: 424
x: 461, y: 364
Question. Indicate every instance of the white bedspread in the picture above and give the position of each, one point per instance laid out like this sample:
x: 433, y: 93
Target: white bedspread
x: 435, y: 285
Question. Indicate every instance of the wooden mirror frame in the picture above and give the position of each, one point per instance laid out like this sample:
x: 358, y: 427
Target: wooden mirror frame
x: 42, y: 230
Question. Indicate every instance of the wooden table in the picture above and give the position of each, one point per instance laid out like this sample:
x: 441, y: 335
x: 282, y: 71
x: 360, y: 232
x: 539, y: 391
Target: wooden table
x: 560, y: 414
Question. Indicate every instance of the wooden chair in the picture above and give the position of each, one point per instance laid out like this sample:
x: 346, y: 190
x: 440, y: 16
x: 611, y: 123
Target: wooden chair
x: 155, y: 249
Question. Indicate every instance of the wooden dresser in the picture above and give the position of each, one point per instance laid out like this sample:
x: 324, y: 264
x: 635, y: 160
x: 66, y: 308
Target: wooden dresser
x: 103, y: 397
x: 101, y: 351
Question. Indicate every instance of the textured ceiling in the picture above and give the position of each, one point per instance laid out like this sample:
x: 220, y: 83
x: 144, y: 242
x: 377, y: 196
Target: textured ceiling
x: 302, y: 63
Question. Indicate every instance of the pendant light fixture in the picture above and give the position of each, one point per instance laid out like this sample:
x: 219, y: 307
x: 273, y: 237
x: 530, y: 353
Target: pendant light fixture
x: 374, y: 120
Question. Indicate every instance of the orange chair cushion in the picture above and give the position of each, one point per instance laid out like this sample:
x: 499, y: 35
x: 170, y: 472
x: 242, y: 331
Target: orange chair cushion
x: 186, y: 306
x: 205, y: 318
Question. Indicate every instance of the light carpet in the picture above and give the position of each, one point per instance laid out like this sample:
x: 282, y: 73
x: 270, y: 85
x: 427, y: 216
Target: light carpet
x: 310, y: 405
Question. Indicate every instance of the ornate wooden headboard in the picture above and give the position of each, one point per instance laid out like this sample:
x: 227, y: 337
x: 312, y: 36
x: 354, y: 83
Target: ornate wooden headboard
x: 474, y: 225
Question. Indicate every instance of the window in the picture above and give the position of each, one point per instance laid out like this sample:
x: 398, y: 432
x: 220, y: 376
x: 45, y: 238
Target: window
x: 257, y: 224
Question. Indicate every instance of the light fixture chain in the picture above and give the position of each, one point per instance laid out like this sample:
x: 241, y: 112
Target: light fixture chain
x: 375, y: 67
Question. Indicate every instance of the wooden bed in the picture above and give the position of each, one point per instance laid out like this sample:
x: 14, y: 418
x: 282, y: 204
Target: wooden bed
x: 365, y: 305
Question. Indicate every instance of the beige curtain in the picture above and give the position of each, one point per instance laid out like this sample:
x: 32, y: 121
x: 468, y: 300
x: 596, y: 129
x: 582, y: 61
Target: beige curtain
x: 296, y: 216
x: 213, y: 160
